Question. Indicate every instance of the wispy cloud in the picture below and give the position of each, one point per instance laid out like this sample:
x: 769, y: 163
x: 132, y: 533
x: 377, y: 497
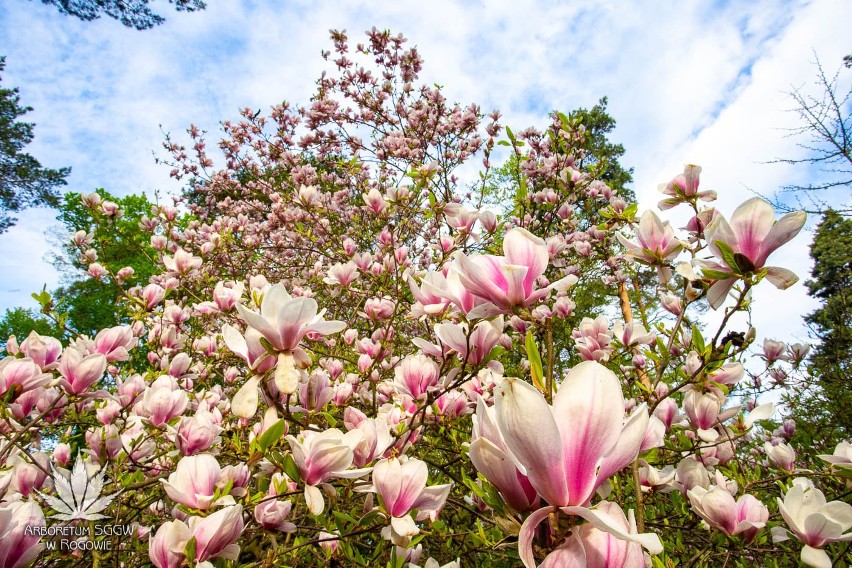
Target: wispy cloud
x: 687, y: 82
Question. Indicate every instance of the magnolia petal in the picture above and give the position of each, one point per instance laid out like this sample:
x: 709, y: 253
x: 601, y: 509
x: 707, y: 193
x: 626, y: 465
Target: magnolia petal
x: 431, y: 500
x: 752, y: 222
x: 719, y: 291
x: 570, y: 554
x: 404, y: 526
x: 607, y: 523
x: 286, y: 376
x: 782, y: 232
x: 815, y: 557
x: 781, y: 278
x: 525, y: 249
x: 314, y: 499
x: 590, y: 409
x: 530, y: 432
x: 629, y: 442
x: 762, y: 412
x: 516, y: 277
x: 525, y: 536
x: 482, y: 311
x: 244, y: 404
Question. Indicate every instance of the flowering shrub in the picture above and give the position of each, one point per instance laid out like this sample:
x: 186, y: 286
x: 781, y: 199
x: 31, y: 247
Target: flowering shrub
x: 345, y: 357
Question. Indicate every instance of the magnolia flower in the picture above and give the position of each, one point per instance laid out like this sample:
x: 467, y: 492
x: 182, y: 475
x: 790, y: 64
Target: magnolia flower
x: 571, y: 448
x: 494, y: 461
x: 744, y: 245
x: 19, y: 545
x: 415, y: 375
x: 684, y: 189
x: 401, y: 485
x: 814, y: 522
x: 215, y: 537
x: 43, y: 350
x: 782, y: 455
x: 589, y: 546
x: 284, y: 321
x: 657, y: 244
x: 321, y: 456
x: 193, y: 482
x: 841, y: 458
x: 20, y: 376
x: 115, y: 343
x: 472, y: 347
x: 79, y: 372
x: 508, y: 281
x: 746, y: 516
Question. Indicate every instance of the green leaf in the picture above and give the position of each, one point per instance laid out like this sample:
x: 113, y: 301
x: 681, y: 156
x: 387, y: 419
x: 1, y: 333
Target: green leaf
x: 698, y: 340
x: 189, y: 549
x: 728, y: 255
x: 536, y: 369
x: 510, y: 134
x: 291, y: 469
x: 715, y: 274
x: 272, y: 435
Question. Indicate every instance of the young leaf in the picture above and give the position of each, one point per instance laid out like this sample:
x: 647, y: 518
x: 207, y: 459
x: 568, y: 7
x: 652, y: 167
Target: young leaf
x: 536, y: 369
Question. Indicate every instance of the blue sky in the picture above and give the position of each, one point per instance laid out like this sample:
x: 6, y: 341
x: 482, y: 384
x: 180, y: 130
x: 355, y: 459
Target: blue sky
x: 688, y: 82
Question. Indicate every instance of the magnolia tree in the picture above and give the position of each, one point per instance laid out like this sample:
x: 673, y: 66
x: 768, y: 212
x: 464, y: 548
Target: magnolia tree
x: 345, y: 358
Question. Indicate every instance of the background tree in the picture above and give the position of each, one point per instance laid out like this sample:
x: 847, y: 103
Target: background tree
x: 826, y: 127
x: 827, y: 401
x: 23, y: 182
x: 132, y: 13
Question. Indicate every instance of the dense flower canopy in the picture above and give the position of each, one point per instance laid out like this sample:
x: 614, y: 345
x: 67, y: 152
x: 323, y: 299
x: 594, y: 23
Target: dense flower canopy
x: 345, y: 356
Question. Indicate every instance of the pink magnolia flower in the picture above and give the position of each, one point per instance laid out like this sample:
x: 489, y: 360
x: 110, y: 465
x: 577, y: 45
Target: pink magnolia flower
x: 193, y: 482
x: 166, y: 547
x: 248, y: 347
x: 79, y: 372
x: 782, y: 455
x: 19, y: 545
x: 182, y: 262
x: 415, y: 375
x: 752, y: 235
x: 745, y: 516
x: 162, y: 401
x: 571, y: 448
x: 196, y: 433
x: 20, y: 376
x: 284, y: 321
x: 814, y: 522
x: 115, y: 343
x: 590, y: 547
x: 684, y: 189
x: 152, y: 294
x: 401, y: 485
x: 215, y: 537
x: 44, y: 351
x: 272, y: 514
x: 657, y: 244
x: 508, y: 281
x: 494, y: 461
x: 471, y: 346
x: 321, y: 456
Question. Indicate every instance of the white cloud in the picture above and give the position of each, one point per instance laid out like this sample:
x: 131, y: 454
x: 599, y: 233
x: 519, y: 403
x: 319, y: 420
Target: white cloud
x: 697, y: 82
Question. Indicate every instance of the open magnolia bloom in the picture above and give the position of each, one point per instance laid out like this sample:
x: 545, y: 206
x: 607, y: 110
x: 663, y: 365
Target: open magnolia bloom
x: 744, y: 245
x: 508, y: 281
x: 284, y: 321
x: 401, y: 484
x: 814, y: 522
x: 570, y: 449
x: 657, y: 244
